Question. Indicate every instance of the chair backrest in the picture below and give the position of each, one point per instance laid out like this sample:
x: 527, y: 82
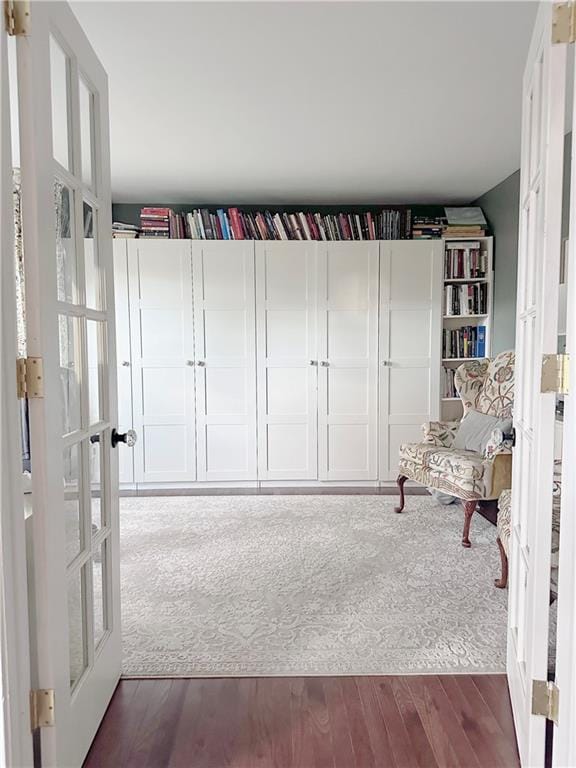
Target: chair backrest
x: 487, y: 385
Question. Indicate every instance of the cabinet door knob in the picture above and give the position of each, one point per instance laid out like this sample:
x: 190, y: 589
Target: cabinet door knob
x: 313, y: 362
x: 125, y: 363
x: 201, y: 363
x: 324, y: 363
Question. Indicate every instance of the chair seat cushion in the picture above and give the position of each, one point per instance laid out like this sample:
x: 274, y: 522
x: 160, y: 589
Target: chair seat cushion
x: 464, y: 474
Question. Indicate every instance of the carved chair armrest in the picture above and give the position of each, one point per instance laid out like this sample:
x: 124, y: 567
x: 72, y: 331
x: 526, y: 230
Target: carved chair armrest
x: 440, y: 433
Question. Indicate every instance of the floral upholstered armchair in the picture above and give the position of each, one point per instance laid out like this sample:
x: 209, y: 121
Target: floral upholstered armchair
x: 484, y: 386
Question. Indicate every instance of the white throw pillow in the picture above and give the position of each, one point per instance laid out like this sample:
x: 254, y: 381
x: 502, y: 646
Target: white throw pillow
x: 476, y: 429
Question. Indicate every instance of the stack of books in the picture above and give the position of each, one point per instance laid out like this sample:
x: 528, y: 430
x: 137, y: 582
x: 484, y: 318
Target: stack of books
x: 465, y: 222
x: 466, y: 299
x: 427, y: 227
x: 448, y: 386
x: 464, y: 260
x: 465, y: 342
x: 234, y: 224
x: 155, y: 222
x: 119, y: 229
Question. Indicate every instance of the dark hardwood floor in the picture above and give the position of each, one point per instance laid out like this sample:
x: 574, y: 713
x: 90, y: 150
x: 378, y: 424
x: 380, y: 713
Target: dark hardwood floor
x: 312, y: 722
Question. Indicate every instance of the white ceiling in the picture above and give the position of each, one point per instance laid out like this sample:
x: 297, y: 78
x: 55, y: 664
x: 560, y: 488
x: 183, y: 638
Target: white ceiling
x: 330, y: 102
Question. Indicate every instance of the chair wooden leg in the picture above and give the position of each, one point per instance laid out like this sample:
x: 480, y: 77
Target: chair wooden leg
x: 400, y: 482
x: 469, y: 509
x: 502, y: 582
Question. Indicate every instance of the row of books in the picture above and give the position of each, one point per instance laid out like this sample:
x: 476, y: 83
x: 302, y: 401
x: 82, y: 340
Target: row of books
x: 448, y: 388
x: 467, y: 341
x: 234, y: 224
x: 464, y: 260
x: 466, y: 299
x: 427, y: 227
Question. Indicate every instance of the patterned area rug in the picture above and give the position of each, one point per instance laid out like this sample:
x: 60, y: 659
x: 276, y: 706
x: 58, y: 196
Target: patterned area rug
x: 307, y: 585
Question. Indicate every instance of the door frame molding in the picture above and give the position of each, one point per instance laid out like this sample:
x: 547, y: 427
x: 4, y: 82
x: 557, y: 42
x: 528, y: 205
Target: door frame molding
x: 15, y: 734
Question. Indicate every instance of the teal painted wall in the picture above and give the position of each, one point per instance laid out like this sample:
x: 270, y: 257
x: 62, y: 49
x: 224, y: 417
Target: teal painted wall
x: 501, y: 206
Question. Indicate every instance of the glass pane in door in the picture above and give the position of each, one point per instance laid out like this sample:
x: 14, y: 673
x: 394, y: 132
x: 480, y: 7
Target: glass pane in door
x: 86, y: 118
x: 66, y: 256
x: 99, y: 570
x: 94, y: 346
x: 96, y: 508
x: 60, y: 83
x: 72, y: 518
x: 77, y: 624
x: 69, y: 341
x: 92, y: 270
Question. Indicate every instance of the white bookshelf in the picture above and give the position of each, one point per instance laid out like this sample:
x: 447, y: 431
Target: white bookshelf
x: 451, y: 407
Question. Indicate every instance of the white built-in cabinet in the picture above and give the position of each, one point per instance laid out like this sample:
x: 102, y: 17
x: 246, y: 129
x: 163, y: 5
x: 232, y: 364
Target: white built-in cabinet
x: 123, y: 356
x: 297, y: 362
x: 410, y: 344
x: 287, y: 360
x: 348, y: 361
x: 225, y: 353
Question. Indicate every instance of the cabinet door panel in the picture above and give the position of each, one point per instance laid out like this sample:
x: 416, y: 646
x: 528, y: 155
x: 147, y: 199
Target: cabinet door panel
x: 123, y: 356
x: 410, y: 340
x: 287, y: 374
x: 348, y: 351
x: 163, y: 356
x: 225, y: 342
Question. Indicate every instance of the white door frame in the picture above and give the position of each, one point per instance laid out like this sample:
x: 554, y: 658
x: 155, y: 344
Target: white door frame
x: 564, y: 738
x: 15, y: 735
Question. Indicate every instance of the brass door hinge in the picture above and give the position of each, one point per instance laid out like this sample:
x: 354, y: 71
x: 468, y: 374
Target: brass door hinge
x: 29, y: 377
x: 563, y: 23
x: 17, y: 17
x: 545, y: 699
x: 555, y: 374
x: 42, y: 708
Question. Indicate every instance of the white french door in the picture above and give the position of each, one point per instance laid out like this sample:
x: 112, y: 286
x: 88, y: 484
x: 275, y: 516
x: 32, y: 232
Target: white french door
x: 63, y: 94
x: 162, y: 331
x: 225, y: 353
x: 287, y: 360
x: 348, y: 361
x: 564, y: 736
x: 410, y: 344
x: 536, y: 335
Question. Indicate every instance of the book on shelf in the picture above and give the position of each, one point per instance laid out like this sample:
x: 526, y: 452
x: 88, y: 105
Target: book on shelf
x: 125, y: 231
x: 449, y: 231
x: 465, y: 260
x: 469, y: 341
x: 447, y: 383
x: 466, y: 299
